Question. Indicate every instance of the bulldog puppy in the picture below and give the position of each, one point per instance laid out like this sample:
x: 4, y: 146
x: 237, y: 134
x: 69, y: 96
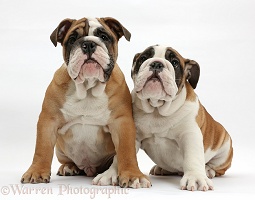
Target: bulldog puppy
x: 173, y: 127
x: 87, y: 109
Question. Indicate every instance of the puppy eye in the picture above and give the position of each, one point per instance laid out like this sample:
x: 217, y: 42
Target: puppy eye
x: 175, y: 63
x: 72, y: 39
x: 104, y: 37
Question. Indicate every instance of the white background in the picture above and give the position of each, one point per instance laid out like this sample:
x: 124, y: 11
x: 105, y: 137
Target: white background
x: 219, y: 35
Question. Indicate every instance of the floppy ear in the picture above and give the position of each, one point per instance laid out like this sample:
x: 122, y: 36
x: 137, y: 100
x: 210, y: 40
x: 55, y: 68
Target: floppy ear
x: 135, y: 57
x: 117, y: 28
x: 192, y: 72
x: 133, y: 67
x: 59, y: 33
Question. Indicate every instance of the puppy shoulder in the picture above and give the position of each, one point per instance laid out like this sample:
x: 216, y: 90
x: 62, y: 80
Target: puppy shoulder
x: 120, y: 100
x: 56, y: 91
x: 61, y: 76
x: 117, y: 85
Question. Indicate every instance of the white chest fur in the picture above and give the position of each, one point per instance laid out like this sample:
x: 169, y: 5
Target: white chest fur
x: 154, y: 124
x: 85, y: 118
x: 88, y: 111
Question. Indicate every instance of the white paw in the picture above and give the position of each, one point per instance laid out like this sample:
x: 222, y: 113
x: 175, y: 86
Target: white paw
x: 196, y: 181
x: 209, y: 171
x: 109, y: 177
x: 69, y: 169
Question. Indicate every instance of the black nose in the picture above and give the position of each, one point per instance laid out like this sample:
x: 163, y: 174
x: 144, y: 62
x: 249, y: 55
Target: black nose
x: 88, y: 47
x: 156, y: 66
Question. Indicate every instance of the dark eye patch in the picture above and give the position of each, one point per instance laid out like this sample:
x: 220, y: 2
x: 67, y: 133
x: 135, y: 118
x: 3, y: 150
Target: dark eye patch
x: 103, y: 35
x: 174, y: 60
x: 69, y: 44
x: 148, y: 53
x: 72, y: 38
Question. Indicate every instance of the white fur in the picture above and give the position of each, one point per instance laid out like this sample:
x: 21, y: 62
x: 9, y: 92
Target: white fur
x: 167, y: 76
x: 168, y: 131
x: 86, y: 111
x: 174, y: 142
x: 160, y: 51
x: 109, y: 177
x: 217, y: 158
x: 93, y: 24
x: 86, y: 114
x: 85, y: 117
x: 153, y: 94
x: 88, y: 76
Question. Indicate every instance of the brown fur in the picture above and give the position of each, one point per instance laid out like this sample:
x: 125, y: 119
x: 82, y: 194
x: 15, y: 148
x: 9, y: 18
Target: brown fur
x: 121, y: 125
x: 122, y: 117
x: 214, y: 135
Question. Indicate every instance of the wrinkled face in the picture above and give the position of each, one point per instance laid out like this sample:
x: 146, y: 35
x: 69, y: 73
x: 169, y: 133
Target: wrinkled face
x: 158, y: 73
x: 90, y: 50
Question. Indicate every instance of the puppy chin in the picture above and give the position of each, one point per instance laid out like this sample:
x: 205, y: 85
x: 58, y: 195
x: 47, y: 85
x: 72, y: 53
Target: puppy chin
x: 155, y: 90
x: 152, y: 90
x: 153, y: 96
x: 89, y: 71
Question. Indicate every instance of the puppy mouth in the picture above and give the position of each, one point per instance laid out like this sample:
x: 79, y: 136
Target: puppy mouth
x: 156, y: 86
x: 91, y: 60
x: 154, y: 78
x: 91, y: 63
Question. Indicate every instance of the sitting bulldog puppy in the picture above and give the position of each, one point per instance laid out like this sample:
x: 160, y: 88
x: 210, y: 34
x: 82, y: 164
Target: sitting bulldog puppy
x: 87, y: 109
x: 173, y: 127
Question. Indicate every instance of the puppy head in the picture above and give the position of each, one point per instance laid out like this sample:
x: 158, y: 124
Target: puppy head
x: 159, y: 74
x: 89, y: 46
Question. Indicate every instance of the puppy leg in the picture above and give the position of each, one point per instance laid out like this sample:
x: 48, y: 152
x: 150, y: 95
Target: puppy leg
x: 40, y: 170
x: 221, y: 169
x: 123, y: 135
x: 194, y: 177
x: 218, y: 165
x: 165, y: 152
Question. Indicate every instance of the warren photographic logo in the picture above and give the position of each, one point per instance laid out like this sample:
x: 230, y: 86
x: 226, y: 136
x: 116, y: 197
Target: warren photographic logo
x: 62, y: 189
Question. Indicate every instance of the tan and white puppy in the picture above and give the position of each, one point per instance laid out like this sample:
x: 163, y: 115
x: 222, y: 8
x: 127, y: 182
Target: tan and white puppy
x: 173, y: 127
x: 87, y: 109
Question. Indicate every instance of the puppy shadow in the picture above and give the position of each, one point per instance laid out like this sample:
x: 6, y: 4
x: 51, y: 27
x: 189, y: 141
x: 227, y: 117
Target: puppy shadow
x: 172, y: 180
x: 75, y: 179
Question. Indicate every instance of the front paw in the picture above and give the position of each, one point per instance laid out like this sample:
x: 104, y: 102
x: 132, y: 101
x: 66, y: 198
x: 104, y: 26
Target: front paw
x: 109, y: 177
x: 69, y: 169
x: 36, y: 175
x: 196, y: 181
x: 133, y: 180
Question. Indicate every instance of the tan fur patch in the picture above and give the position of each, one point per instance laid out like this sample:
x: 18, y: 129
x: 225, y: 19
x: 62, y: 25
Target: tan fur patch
x: 191, y: 96
x: 214, y: 134
x: 226, y: 165
x: 121, y: 124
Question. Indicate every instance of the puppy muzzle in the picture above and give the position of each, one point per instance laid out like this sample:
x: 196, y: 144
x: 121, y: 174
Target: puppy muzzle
x: 89, y: 60
x: 156, y: 80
